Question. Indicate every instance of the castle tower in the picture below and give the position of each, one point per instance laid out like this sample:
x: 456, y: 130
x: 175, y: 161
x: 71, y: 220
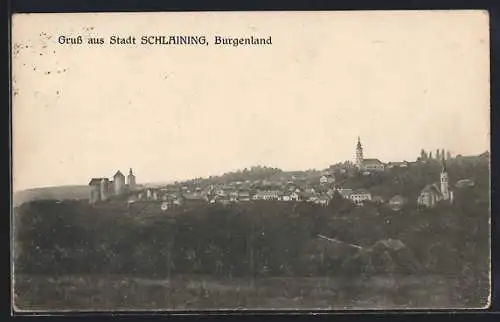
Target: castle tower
x: 131, y: 179
x: 359, y: 154
x: 104, y: 189
x: 119, y: 183
x: 444, y: 182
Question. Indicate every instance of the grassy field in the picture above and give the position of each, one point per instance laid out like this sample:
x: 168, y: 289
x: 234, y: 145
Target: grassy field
x: 56, y: 193
x: 184, y: 293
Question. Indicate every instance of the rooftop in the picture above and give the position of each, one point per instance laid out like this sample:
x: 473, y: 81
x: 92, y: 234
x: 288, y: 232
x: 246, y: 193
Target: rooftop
x: 372, y: 161
x: 431, y: 188
x: 361, y: 191
x: 95, y: 181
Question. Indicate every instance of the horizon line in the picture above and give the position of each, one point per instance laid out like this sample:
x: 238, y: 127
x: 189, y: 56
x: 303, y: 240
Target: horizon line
x: 171, y: 181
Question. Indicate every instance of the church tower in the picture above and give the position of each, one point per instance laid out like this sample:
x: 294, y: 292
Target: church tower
x: 131, y: 179
x: 444, y: 182
x: 359, y: 154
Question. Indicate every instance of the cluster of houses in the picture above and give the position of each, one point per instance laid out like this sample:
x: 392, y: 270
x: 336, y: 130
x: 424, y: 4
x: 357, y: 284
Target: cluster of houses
x: 173, y: 196
x: 297, y: 187
x: 223, y: 194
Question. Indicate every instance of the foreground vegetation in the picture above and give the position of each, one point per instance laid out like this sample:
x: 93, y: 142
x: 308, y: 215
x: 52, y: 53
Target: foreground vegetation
x: 256, y: 242
x: 198, y: 292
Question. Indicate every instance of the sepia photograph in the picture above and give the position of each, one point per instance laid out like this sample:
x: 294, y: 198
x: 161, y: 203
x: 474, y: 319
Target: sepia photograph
x: 246, y: 161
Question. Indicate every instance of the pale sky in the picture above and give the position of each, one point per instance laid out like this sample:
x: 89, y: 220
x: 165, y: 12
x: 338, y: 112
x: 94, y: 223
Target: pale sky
x: 401, y: 80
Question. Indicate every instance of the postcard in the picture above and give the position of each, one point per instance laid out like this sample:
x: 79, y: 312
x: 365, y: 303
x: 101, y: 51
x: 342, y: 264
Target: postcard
x: 236, y: 161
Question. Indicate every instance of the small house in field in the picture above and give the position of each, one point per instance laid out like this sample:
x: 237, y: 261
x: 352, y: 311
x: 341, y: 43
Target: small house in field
x: 359, y: 196
x: 267, y: 195
x: 194, y: 198
x: 397, y: 202
x: 323, y: 200
x: 244, y: 195
x: 294, y: 196
x: 291, y: 196
x: 310, y: 190
x: 224, y: 200
x: 326, y: 179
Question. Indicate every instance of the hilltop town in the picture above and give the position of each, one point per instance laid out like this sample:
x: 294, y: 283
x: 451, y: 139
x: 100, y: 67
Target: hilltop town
x: 367, y: 180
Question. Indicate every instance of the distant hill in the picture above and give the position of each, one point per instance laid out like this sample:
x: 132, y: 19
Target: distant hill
x: 59, y: 193
x: 252, y: 174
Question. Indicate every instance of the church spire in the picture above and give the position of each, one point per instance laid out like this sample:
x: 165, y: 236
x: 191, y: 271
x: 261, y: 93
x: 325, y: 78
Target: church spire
x: 444, y: 182
x: 131, y: 179
x: 443, y: 165
x: 359, y: 154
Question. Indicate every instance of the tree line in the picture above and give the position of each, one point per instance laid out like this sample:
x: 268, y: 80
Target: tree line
x: 440, y: 154
x: 258, y: 238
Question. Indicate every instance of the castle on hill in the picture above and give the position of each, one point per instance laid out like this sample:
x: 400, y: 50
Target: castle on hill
x: 102, y: 189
